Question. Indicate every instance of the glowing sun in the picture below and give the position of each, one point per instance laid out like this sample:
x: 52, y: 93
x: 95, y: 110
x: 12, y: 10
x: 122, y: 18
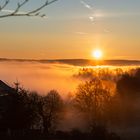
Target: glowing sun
x: 97, y: 54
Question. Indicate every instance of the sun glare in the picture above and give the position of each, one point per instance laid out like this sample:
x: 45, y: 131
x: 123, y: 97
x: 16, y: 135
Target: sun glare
x: 97, y: 54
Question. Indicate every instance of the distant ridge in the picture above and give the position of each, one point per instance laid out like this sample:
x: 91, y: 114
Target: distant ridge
x: 77, y: 62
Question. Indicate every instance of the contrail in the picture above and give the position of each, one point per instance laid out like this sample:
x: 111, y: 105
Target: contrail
x: 91, y: 18
x: 86, y: 5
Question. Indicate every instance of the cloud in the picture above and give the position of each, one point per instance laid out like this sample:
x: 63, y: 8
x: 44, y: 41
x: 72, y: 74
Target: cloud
x: 92, y: 18
x: 106, y: 31
x: 7, y: 11
x: 81, y: 33
x: 86, y: 5
x: 11, y: 11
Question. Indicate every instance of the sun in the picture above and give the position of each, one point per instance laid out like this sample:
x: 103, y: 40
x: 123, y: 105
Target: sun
x: 97, y: 54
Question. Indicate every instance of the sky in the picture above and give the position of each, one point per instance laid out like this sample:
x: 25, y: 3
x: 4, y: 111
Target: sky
x: 73, y: 29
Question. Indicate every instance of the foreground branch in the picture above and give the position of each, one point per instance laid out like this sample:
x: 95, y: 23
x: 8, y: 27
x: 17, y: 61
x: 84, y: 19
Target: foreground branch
x: 17, y: 12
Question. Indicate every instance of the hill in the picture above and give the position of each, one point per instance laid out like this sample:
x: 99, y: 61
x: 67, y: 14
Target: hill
x: 78, y: 62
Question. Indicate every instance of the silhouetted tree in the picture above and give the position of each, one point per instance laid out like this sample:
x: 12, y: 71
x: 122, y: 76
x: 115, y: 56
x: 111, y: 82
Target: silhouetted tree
x: 20, y: 114
x: 49, y: 109
x: 35, y: 101
x: 128, y: 91
x: 93, y: 99
x: 129, y: 85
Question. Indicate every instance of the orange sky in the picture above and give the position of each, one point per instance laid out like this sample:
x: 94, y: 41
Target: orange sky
x: 73, y: 30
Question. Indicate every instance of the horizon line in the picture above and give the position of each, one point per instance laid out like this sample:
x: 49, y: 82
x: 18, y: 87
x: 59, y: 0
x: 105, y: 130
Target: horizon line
x: 56, y: 59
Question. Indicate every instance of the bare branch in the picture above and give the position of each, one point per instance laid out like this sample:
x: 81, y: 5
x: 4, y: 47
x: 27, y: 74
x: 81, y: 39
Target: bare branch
x: 19, y: 6
x: 4, y: 5
x: 17, y: 12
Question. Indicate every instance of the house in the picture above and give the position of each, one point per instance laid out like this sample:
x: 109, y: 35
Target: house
x: 5, y: 89
x: 6, y: 99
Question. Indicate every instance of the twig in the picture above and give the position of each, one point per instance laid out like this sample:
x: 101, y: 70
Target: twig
x: 16, y: 12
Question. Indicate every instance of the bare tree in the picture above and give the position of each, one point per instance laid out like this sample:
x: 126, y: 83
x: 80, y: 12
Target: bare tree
x: 17, y: 12
x: 49, y: 109
x: 93, y: 98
